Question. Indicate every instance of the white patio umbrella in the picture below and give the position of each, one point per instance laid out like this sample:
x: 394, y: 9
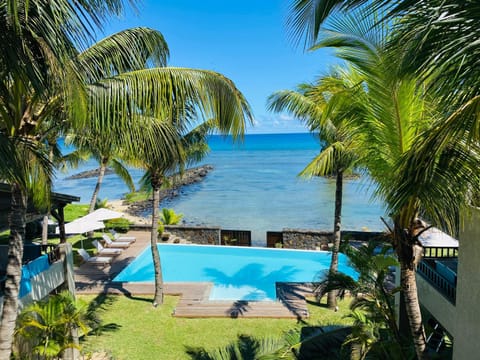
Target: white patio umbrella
x: 102, y: 214
x: 80, y: 226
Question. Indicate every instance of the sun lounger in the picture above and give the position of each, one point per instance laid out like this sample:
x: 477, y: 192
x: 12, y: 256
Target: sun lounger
x: 103, y: 251
x: 115, y: 244
x: 118, y: 237
x: 98, y: 260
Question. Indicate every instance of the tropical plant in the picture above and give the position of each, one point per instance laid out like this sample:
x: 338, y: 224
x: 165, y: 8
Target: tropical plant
x: 49, y: 327
x: 186, y: 146
x: 245, y: 348
x: 35, y: 64
x: 170, y: 217
x: 123, y: 52
x: 327, y: 110
x: 375, y: 330
x: 400, y: 112
x: 104, y: 152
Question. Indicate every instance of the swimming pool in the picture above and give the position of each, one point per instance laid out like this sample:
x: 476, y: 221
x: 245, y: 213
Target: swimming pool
x: 238, y: 273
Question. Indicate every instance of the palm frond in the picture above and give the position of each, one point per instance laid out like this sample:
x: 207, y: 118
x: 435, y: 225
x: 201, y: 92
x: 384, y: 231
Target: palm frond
x: 306, y: 17
x: 120, y: 169
x: 129, y: 50
x: 156, y: 91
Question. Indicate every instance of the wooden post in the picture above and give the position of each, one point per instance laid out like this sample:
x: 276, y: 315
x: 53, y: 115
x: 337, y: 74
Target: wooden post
x: 66, y: 256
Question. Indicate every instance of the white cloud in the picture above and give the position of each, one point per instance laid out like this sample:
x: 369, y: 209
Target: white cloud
x: 282, y: 123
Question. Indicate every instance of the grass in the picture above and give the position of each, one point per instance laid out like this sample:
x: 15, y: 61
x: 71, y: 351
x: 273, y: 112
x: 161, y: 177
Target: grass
x: 137, y: 196
x: 136, y: 330
x: 74, y: 211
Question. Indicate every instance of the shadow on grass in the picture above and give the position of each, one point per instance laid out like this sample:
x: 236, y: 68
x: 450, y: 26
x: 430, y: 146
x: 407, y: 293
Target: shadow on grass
x: 101, y: 303
x: 316, y: 304
x: 245, y: 347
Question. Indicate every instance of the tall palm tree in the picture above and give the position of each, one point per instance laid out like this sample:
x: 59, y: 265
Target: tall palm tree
x: 326, y: 111
x: 190, y: 146
x: 100, y: 147
x: 398, y: 111
x: 35, y: 61
x: 157, y: 105
x: 438, y: 41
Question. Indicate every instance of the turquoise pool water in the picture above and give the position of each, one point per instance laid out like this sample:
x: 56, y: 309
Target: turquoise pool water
x: 238, y: 273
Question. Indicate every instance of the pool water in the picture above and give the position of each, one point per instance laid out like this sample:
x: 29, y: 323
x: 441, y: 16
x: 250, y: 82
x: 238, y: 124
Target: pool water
x: 238, y: 273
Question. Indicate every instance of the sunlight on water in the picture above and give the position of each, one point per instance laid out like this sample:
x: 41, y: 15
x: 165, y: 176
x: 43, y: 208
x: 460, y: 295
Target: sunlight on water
x: 254, y: 186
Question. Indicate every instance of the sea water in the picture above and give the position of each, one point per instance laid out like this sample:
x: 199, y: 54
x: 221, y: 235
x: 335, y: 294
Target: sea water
x: 255, y: 186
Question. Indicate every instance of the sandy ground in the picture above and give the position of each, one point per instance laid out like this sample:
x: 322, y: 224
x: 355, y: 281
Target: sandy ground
x: 118, y: 205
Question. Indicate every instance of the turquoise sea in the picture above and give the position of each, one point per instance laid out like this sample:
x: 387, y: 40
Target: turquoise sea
x: 254, y: 186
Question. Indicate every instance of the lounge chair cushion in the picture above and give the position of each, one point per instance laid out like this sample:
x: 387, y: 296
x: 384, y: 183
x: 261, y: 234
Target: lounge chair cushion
x: 103, y: 251
x: 115, y: 244
x: 94, y: 259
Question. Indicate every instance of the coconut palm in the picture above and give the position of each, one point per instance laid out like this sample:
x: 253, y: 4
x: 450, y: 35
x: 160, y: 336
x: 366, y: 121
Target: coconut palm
x: 327, y: 112
x: 35, y: 63
x: 398, y: 111
x: 186, y: 148
x: 438, y: 41
x: 107, y: 155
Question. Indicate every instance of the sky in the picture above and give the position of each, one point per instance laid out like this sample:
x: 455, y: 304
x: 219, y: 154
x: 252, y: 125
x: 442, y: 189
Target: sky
x: 245, y: 40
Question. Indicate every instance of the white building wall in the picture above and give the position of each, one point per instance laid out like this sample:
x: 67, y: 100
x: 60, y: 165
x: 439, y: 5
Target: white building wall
x: 437, y: 304
x: 466, y: 344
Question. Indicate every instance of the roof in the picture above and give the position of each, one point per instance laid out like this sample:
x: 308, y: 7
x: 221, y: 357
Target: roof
x: 58, y: 200
x: 434, y: 237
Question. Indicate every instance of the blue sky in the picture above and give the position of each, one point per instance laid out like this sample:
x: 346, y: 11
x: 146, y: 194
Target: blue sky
x: 246, y: 40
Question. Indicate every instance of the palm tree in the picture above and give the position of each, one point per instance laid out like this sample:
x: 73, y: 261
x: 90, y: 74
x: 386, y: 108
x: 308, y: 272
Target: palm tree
x: 101, y: 148
x: 186, y: 149
x: 45, y: 327
x: 398, y: 111
x: 146, y: 109
x: 35, y: 63
x: 375, y: 330
x: 326, y: 111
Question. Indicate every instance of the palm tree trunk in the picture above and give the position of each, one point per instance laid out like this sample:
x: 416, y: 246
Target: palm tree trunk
x: 409, y: 288
x: 404, y: 244
x: 156, y: 182
x: 332, y: 295
x: 17, y: 220
x: 101, y: 175
x: 45, y: 230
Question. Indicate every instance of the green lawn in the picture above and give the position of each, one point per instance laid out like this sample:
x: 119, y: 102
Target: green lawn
x: 139, y: 331
x: 74, y: 211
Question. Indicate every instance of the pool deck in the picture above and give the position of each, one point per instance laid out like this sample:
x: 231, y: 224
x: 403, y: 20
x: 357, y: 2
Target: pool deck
x: 194, y: 302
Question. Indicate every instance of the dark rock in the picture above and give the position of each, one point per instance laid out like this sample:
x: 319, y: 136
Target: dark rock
x: 89, y: 174
x: 190, y: 176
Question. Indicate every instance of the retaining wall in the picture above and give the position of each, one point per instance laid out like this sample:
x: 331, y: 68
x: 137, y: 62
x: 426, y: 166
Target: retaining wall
x: 196, y: 234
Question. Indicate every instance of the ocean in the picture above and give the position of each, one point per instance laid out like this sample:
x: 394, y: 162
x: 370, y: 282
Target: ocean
x: 255, y: 186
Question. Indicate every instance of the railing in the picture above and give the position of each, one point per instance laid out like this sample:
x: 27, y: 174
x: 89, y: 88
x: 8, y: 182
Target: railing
x: 445, y: 287
x: 440, y: 252
x: 236, y: 237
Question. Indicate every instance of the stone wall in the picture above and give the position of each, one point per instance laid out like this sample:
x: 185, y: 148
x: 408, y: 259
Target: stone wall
x: 306, y: 239
x: 196, y: 234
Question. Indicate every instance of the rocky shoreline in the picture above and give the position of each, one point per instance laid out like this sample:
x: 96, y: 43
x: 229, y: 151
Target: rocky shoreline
x: 138, y: 208
x: 89, y: 174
